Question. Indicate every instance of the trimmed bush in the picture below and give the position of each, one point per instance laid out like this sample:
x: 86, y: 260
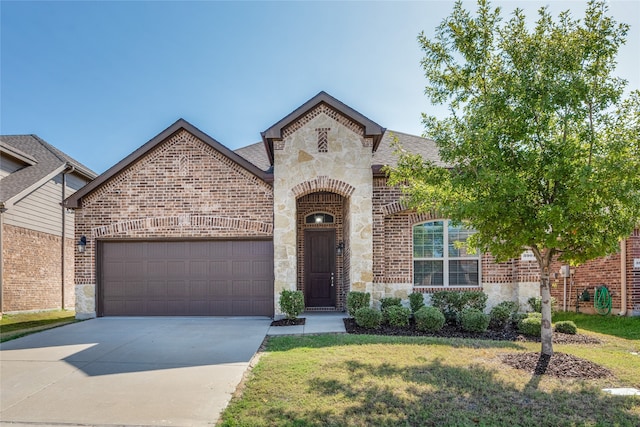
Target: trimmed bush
x: 397, y: 315
x: 531, y: 326
x: 357, y: 300
x: 566, y: 327
x: 416, y: 301
x: 536, y: 304
x: 502, y: 313
x: 452, y: 303
x: 387, y: 302
x: 474, y: 320
x: 291, y: 303
x: 429, y: 319
x: 369, y: 318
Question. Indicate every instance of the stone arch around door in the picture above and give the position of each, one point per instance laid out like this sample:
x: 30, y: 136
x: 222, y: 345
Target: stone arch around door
x: 323, y: 184
x: 325, y: 288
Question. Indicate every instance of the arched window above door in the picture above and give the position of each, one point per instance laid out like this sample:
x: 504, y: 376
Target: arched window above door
x: 319, y: 218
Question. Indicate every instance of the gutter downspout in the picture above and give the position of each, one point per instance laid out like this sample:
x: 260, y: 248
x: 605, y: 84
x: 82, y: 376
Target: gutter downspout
x: 69, y: 169
x: 2, y: 211
x: 623, y: 277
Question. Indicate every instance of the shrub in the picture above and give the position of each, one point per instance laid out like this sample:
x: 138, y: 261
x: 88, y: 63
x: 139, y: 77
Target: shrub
x: 474, y: 320
x: 416, y: 301
x: 452, y: 303
x: 291, y: 303
x: 531, y: 326
x: 502, y: 313
x: 429, y: 319
x: 387, y: 302
x: 566, y: 327
x: 397, y: 315
x: 517, y: 317
x: 536, y: 304
x: 369, y: 318
x: 357, y: 300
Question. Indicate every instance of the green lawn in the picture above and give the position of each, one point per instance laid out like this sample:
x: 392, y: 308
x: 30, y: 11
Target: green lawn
x: 21, y: 324
x: 623, y: 327
x: 358, y: 380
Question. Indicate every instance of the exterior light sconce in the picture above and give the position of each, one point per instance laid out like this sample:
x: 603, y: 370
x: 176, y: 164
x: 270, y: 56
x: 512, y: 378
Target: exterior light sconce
x: 340, y: 248
x: 82, y: 244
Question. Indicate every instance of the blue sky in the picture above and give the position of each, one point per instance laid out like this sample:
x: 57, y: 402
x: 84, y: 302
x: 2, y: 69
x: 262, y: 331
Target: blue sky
x: 97, y: 79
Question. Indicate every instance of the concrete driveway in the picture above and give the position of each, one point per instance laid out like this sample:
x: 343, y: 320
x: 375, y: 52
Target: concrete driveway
x: 168, y: 371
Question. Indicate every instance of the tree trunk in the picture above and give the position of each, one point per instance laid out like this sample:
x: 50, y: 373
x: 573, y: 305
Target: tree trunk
x: 546, y: 333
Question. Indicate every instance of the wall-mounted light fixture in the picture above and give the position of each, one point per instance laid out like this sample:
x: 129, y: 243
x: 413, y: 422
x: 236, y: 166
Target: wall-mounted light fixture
x: 82, y: 244
x: 340, y: 248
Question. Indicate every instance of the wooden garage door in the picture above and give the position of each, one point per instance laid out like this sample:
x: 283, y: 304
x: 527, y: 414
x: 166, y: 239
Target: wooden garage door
x: 186, y: 278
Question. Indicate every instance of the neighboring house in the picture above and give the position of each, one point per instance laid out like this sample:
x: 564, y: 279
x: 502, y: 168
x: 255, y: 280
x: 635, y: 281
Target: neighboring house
x: 185, y: 226
x: 36, y: 263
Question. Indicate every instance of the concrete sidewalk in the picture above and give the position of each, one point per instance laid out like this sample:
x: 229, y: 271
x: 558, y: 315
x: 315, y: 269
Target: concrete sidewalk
x: 315, y: 323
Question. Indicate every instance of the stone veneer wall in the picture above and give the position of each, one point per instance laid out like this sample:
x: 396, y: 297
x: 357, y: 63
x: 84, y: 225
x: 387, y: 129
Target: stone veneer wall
x: 32, y: 270
x: 183, y: 188
x: 301, y: 168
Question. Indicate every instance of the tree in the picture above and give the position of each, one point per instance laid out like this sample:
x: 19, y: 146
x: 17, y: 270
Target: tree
x: 544, y: 152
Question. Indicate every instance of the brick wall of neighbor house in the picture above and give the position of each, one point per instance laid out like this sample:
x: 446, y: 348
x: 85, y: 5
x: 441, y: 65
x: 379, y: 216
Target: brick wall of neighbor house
x: 321, y: 202
x: 31, y: 271
x: 633, y: 275
x: 183, y: 188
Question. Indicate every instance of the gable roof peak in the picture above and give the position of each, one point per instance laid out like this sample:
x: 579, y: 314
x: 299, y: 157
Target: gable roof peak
x: 181, y: 124
x: 274, y: 133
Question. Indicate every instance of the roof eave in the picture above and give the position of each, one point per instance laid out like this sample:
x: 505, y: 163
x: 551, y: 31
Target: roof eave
x: 18, y: 196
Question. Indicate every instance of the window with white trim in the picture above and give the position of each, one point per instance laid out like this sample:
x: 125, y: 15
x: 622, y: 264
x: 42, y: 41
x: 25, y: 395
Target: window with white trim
x: 440, y: 257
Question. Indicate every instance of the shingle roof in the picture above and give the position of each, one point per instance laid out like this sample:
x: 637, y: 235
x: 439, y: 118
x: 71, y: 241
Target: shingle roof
x: 42, y: 160
x: 256, y: 154
x: 426, y: 147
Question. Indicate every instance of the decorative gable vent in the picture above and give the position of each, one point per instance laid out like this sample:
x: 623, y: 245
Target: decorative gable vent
x: 184, y: 166
x: 323, y: 141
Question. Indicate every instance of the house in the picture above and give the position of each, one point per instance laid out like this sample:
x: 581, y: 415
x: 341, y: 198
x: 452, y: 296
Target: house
x: 185, y: 226
x: 36, y: 262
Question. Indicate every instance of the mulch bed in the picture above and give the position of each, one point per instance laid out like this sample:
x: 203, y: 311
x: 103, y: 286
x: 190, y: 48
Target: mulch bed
x: 559, y: 365
x: 507, y: 334
x: 289, y: 322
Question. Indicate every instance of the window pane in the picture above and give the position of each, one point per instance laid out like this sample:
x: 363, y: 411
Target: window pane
x: 428, y: 240
x: 319, y: 218
x: 458, y: 236
x: 427, y: 273
x: 463, y: 273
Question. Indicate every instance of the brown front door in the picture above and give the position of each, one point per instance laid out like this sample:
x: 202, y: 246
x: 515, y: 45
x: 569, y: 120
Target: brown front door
x: 319, y: 267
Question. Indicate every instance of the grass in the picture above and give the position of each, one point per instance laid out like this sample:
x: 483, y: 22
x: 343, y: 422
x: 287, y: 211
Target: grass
x: 363, y: 380
x: 622, y: 327
x: 20, y: 324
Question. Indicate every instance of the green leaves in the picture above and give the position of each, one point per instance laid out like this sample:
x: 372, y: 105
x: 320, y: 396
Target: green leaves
x: 544, y: 152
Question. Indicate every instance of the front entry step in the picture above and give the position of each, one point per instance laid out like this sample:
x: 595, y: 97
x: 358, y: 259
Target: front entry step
x: 320, y: 309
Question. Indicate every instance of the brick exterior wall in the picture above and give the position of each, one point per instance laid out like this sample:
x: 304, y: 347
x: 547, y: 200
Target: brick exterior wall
x: 32, y: 270
x: 602, y: 271
x: 183, y: 188
x: 393, y: 265
x: 633, y: 275
x: 333, y: 204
